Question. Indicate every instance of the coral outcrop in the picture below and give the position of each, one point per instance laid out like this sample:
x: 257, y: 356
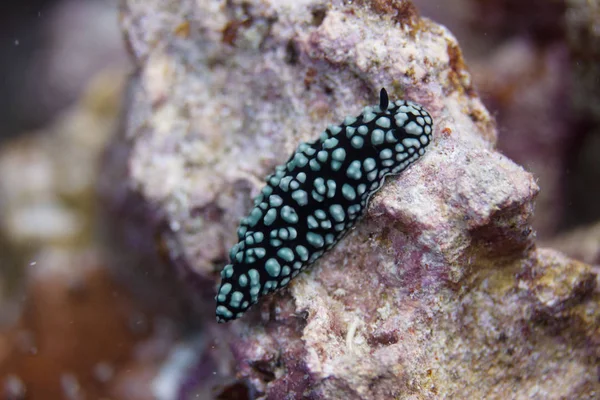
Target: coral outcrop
x: 439, y: 292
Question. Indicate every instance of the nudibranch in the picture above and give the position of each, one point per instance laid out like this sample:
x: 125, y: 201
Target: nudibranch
x: 310, y: 202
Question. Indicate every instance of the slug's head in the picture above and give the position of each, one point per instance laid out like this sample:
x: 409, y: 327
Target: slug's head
x: 413, y: 124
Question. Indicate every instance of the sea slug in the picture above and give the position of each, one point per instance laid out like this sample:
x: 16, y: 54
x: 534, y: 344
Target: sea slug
x: 310, y: 202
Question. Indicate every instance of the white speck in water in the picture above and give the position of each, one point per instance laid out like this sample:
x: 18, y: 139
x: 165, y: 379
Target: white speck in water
x: 16, y: 42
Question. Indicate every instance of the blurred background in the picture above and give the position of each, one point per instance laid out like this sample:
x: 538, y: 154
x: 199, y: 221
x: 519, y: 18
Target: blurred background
x: 68, y: 330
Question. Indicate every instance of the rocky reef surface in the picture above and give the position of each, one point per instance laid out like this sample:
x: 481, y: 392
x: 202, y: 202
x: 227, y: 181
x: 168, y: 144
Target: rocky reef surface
x: 453, y: 285
x: 439, y: 292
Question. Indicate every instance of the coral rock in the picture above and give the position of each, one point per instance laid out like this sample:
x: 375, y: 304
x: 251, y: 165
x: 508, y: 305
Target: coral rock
x: 437, y: 293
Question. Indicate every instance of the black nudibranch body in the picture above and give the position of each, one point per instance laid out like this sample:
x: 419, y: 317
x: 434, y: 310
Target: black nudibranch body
x: 312, y: 200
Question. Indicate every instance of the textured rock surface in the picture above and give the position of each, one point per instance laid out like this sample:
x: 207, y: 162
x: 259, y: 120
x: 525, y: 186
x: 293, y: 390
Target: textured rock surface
x: 439, y: 292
